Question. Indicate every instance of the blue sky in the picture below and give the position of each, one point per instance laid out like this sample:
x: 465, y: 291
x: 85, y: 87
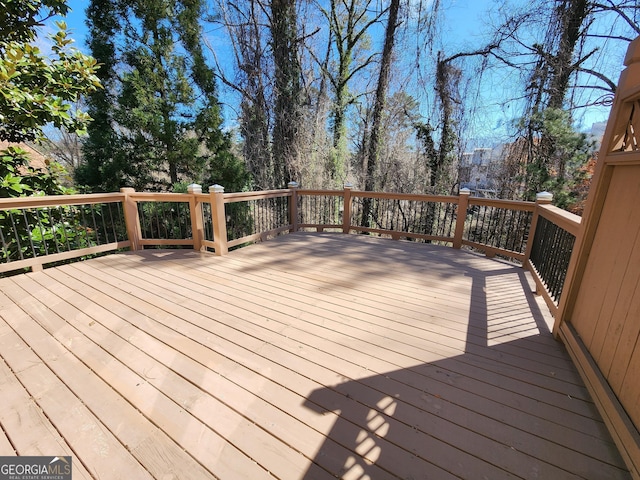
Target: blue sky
x: 463, y: 23
x: 469, y: 17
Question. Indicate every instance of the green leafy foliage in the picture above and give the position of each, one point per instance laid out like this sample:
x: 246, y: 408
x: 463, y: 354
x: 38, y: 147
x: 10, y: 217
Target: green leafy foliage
x: 19, y: 178
x: 158, y: 122
x: 21, y: 17
x: 34, y: 232
x: 36, y: 90
x: 559, y: 156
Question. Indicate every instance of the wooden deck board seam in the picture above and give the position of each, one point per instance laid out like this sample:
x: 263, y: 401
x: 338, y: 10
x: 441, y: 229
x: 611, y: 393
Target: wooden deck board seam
x: 101, y: 376
x: 479, y: 343
x: 218, y: 266
x: 84, y: 468
x: 290, y: 445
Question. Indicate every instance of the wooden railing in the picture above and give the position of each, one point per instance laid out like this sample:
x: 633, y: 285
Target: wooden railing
x: 35, y: 231
x: 549, y: 253
x: 497, y: 227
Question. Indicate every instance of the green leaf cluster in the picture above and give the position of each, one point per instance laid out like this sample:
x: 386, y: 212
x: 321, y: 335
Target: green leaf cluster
x: 18, y: 178
x: 38, y: 89
x: 21, y: 17
x: 34, y: 232
x: 559, y: 156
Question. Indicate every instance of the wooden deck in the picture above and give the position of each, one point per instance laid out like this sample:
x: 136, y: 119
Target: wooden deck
x: 311, y: 356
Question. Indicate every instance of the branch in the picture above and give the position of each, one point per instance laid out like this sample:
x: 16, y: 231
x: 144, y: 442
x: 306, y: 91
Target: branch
x: 615, y: 8
x: 366, y: 27
x: 594, y: 87
x: 612, y: 85
x: 364, y: 64
x: 504, y: 60
x: 610, y: 37
x: 484, y: 52
x: 220, y: 75
x: 308, y: 35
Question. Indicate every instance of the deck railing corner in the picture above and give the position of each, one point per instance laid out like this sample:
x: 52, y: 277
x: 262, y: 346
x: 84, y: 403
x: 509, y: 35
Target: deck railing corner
x: 461, y: 216
x: 221, y: 221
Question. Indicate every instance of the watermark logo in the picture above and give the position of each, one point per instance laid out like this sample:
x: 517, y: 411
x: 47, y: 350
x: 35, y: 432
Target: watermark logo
x: 35, y: 468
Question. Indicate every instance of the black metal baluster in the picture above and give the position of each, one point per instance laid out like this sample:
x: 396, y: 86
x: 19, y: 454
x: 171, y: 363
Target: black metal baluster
x: 28, y: 230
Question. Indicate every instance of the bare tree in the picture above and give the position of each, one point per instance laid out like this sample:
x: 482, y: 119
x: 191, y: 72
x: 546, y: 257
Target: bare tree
x: 349, y: 24
x: 560, y: 56
x: 245, y: 23
x: 66, y: 148
x: 379, y: 106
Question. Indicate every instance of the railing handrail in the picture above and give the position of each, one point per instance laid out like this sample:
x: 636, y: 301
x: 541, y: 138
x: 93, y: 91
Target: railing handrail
x: 549, y: 277
x: 259, y: 195
x: 160, y: 197
x: 500, y: 203
x: 406, y: 196
x: 566, y: 220
x: 40, y: 201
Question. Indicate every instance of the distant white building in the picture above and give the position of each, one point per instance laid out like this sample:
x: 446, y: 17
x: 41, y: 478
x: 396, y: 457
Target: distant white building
x: 477, y: 170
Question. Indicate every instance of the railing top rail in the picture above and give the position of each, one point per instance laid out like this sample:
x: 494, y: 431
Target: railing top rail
x: 57, y: 200
x: 245, y: 196
x: 334, y: 193
x: 565, y: 220
x: 160, y: 197
x: 406, y: 196
x: 512, y: 204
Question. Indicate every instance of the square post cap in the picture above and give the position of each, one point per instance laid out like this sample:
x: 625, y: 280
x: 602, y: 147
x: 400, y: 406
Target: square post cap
x: 216, y: 188
x: 544, y: 197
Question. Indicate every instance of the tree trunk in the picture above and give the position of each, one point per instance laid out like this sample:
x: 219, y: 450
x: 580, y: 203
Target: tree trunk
x: 378, y: 108
x: 571, y: 14
x: 287, y: 90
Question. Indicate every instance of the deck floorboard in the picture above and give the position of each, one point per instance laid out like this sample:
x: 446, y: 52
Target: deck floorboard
x: 310, y: 356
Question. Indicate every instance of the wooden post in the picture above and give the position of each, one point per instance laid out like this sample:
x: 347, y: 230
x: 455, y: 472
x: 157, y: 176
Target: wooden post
x: 293, y: 206
x: 131, y: 218
x: 542, y: 198
x: 346, y: 211
x: 463, y: 205
x: 195, y: 211
x: 219, y: 218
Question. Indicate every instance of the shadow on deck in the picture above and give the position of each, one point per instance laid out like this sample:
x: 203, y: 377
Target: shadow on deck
x: 503, y: 408
x: 465, y: 422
